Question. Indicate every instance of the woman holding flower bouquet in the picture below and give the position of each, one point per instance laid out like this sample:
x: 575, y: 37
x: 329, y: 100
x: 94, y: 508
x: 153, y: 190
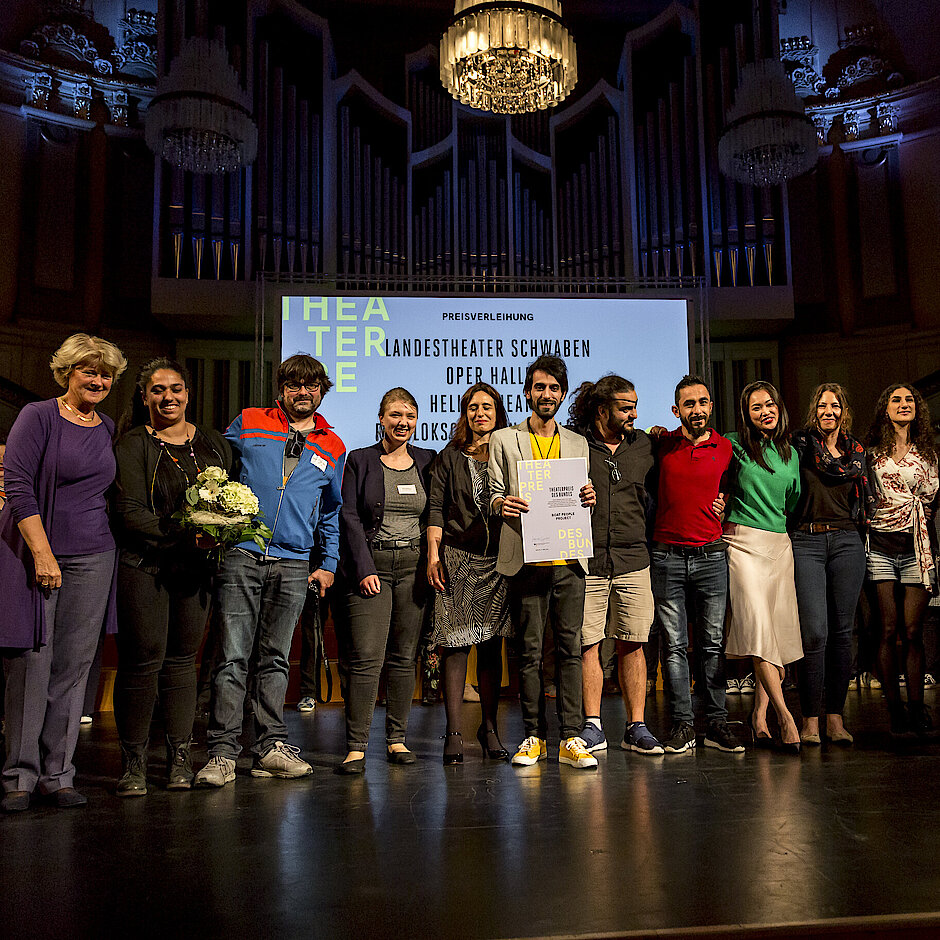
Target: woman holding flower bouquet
x: 164, y: 572
x: 382, y: 524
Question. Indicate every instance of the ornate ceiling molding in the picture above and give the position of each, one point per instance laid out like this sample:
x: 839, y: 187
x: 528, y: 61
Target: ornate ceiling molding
x: 65, y: 39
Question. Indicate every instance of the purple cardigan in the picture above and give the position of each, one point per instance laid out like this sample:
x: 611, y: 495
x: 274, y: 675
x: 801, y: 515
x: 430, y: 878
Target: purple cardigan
x: 30, y: 467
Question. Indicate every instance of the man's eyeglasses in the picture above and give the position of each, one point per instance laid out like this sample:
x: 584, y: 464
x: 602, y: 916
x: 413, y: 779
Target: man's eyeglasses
x: 297, y: 386
x: 614, y: 470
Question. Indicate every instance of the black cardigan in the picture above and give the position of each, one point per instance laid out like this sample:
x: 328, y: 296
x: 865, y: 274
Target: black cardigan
x: 143, y: 536
x: 452, y: 507
x: 364, y: 507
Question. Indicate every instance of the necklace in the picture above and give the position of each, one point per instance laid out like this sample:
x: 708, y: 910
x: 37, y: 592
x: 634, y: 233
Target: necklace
x: 538, y: 446
x: 77, y: 414
x: 172, y: 456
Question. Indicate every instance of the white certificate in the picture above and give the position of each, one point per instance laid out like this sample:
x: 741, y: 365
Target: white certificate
x: 556, y: 527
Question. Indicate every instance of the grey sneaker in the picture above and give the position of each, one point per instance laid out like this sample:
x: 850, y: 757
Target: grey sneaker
x: 681, y: 738
x: 218, y: 772
x: 283, y: 760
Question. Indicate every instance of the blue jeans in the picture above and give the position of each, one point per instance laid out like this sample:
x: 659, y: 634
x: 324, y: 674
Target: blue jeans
x: 829, y: 568
x: 259, y: 605
x: 692, y: 589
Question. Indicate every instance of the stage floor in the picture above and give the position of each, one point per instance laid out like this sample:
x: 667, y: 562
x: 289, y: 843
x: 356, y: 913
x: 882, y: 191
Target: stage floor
x: 747, y: 843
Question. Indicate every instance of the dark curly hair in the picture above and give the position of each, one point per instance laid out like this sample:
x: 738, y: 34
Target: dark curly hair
x: 590, y: 397
x: 881, y: 435
x: 750, y: 436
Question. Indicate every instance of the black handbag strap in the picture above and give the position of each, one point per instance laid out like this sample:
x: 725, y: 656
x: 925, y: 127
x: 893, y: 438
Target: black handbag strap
x: 321, y: 663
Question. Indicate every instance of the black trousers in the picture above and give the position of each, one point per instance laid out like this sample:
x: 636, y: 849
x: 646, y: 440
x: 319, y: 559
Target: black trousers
x: 161, y: 624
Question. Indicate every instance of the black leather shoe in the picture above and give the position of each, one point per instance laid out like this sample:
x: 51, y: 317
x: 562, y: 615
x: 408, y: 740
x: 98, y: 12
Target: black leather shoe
x: 351, y: 767
x: 400, y: 757
x: 69, y: 797
x: 492, y: 746
x: 15, y: 801
x: 453, y: 757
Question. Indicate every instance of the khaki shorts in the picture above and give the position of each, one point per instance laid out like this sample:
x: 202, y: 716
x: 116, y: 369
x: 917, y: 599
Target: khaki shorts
x: 620, y: 607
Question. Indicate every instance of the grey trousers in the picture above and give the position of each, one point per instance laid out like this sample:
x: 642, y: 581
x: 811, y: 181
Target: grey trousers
x: 45, y: 688
x: 384, y: 627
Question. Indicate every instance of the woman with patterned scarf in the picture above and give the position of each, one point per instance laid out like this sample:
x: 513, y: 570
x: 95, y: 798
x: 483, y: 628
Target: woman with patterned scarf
x: 903, y: 461
x: 828, y: 557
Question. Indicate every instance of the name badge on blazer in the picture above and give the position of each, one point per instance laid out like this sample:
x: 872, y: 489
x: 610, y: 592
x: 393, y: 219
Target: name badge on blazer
x: 407, y: 489
x: 318, y: 462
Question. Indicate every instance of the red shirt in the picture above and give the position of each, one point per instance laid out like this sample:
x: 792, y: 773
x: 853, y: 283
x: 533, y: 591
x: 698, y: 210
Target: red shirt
x: 689, y: 481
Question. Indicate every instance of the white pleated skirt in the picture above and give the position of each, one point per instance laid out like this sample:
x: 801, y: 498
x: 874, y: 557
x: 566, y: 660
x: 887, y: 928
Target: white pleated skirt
x: 765, y: 620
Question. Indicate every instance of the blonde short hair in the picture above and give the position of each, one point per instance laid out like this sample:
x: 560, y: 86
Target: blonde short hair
x: 80, y: 349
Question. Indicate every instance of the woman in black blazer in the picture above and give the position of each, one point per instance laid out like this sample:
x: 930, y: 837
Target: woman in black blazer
x: 471, y: 604
x: 382, y: 530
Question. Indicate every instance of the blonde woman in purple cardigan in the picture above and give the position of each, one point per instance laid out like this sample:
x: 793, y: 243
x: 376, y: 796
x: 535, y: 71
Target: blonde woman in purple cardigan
x: 57, y: 568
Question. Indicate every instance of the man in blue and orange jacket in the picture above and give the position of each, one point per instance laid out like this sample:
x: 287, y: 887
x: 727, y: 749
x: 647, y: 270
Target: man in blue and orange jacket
x: 293, y: 462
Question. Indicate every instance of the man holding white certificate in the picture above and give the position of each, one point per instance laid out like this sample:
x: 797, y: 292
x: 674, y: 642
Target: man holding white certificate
x: 542, y: 588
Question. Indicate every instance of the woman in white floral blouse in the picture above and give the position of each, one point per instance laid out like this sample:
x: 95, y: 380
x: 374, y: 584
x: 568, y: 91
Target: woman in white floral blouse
x: 903, y: 461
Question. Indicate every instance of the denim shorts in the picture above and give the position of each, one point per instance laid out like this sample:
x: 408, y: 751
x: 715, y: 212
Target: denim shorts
x: 903, y: 568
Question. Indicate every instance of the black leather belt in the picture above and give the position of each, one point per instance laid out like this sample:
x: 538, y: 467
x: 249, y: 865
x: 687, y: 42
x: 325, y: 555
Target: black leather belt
x: 691, y: 551
x: 385, y: 545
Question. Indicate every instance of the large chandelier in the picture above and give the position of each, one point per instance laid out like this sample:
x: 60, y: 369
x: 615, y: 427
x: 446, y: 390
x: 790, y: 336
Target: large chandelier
x: 200, y: 117
x: 768, y: 138
x: 508, y: 57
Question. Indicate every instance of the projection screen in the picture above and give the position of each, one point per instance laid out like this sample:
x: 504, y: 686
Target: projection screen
x: 437, y: 347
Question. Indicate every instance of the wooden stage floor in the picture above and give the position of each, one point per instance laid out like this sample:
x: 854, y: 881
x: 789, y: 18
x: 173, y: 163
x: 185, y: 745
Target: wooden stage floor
x: 837, y: 843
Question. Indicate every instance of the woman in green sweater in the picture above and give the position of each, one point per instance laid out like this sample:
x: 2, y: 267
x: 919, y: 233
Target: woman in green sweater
x: 764, y: 624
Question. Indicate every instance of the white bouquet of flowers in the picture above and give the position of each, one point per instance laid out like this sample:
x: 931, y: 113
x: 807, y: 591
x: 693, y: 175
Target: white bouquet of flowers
x: 221, y: 513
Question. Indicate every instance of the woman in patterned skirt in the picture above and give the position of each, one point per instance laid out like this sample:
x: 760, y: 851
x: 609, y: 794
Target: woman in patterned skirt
x: 471, y: 604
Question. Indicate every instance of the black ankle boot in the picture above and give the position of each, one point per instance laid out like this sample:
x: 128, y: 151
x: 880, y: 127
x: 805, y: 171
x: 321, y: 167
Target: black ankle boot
x: 179, y: 765
x: 133, y: 781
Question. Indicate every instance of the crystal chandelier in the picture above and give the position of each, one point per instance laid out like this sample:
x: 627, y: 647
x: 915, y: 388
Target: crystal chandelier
x: 200, y: 118
x: 768, y: 138
x: 508, y: 57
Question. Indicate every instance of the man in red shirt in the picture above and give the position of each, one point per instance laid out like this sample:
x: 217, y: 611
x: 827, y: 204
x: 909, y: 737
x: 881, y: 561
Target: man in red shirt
x: 689, y: 564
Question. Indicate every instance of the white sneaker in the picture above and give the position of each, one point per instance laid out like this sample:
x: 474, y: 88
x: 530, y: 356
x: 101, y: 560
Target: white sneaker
x: 306, y: 704
x: 283, y: 760
x: 732, y: 687
x: 574, y: 752
x: 929, y: 679
x: 218, y: 772
x: 747, y: 684
x: 853, y: 684
x: 86, y: 720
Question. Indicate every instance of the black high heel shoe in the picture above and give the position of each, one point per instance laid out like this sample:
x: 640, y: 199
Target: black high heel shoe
x: 456, y: 757
x: 493, y: 753
x: 761, y: 738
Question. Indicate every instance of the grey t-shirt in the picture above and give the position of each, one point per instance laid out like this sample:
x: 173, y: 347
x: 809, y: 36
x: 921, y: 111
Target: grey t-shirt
x: 405, y: 500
